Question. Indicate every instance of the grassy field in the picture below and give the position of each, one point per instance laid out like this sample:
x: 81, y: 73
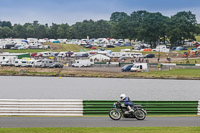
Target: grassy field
x: 191, y: 61
x: 175, y: 73
x: 104, y: 130
x: 165, y: 74
x: 64, y: 47
x: 77, y: 48
x: 54, y: 47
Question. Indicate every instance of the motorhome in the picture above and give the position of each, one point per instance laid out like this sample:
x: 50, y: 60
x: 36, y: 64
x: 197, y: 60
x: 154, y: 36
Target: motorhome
x: 31, y: 63
x: 80, y: 54
x: 81, y: 63
x: 46, y: 63
x: 37, y: 63
x: 20, y: 63
x: 161, y: 48
x: 140, y: 67
x: 47, y: 54
x: 6, y: 63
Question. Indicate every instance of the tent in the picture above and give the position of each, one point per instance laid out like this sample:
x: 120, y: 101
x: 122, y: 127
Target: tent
x: 56, y: 41
x: 99, y: 58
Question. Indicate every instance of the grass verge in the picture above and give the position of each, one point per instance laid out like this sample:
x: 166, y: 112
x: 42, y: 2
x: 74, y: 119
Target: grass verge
x: 55, y: 48
x: 165, y: 74
x: 103, y: 130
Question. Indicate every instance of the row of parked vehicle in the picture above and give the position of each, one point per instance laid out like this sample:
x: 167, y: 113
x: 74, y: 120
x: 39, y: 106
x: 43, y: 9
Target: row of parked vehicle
x: 45, y: 63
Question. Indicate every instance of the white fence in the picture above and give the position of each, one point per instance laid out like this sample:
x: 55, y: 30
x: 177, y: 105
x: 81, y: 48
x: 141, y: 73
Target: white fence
x: 198, y: 108
x: 41, y: 107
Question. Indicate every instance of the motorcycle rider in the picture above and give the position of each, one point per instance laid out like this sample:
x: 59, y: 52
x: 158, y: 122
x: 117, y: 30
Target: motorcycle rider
x: 127, y: 102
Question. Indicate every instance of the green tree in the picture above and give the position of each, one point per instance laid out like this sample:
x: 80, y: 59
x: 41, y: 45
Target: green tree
x: 118, y: 16
x: 152, y: 28
x: 6, y: 24
x: 102, y: 28
x: 5, y: 32
x: 62, y: 31
x: 52, y: 32
x: 19, y: 31
x: 182, y: 26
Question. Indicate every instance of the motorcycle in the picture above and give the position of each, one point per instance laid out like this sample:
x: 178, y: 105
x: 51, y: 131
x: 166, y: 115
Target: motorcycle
x: 120, y: 110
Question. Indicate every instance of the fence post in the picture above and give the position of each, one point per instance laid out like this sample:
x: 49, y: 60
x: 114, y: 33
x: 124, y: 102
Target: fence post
x: 198, y: 108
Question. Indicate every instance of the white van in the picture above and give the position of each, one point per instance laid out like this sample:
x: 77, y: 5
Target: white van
x: 81, y: 63
x: 140, y: 67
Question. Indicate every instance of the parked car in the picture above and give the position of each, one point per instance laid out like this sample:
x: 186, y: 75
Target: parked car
x: 173, y: 48
x: 122, y: 58
x: 149, y: 56
x: 56, y: 65
x: 87, y: 46
x: 93, y: 48
x: 181, y: 48
x: 110, y: 46
x: 127, y: 68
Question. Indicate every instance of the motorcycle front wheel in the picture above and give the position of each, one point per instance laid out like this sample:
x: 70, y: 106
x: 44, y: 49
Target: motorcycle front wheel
x: 140, y: 114
x: 115, y: 114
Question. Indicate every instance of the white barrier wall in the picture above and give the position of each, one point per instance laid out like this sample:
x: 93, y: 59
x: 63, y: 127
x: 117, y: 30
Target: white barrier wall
x: 50, y: 107
x: 198, y: 108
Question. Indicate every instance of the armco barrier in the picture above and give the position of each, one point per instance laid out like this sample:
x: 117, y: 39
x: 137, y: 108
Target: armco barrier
x: 185, y: 65
x: 66, y: 107
x: 50, y: 107
x: 153, y: 107
x: 198, y: 108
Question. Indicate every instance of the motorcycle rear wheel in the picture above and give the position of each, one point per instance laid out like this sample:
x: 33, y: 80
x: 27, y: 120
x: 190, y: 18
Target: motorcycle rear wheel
x: 140, y: 114
x: 115, y: 114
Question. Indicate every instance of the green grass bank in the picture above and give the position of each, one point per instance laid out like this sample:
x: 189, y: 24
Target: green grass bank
x: 104, y: 130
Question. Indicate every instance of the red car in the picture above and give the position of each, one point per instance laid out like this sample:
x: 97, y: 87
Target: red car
x: 93, y: 48
x: 33, y: 54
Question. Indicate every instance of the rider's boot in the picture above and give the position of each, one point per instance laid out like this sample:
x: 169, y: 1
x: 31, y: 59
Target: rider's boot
x: 130, y: 109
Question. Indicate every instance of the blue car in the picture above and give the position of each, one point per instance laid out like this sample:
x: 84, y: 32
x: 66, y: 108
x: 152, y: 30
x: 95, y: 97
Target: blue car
x: 127, y: 68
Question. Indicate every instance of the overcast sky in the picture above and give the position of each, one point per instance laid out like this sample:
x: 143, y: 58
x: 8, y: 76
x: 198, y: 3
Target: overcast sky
x: 72, y: 11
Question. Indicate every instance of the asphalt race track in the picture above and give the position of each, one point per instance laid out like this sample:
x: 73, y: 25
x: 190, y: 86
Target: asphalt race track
x: 18, y: 122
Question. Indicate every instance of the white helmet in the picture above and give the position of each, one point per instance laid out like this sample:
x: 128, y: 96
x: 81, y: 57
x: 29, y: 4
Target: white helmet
x: 122, y: 96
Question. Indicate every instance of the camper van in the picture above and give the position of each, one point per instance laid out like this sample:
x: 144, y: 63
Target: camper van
x: 31, y: 63
x: 81, y: 63
x: 139, y: 67
x: 47, y: 54
x: 46, y: 63
x: 37, y: 63
x: 6, y: 63
x: 20, y: 63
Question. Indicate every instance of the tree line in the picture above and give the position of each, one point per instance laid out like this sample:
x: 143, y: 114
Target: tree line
x: 139, y: 25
